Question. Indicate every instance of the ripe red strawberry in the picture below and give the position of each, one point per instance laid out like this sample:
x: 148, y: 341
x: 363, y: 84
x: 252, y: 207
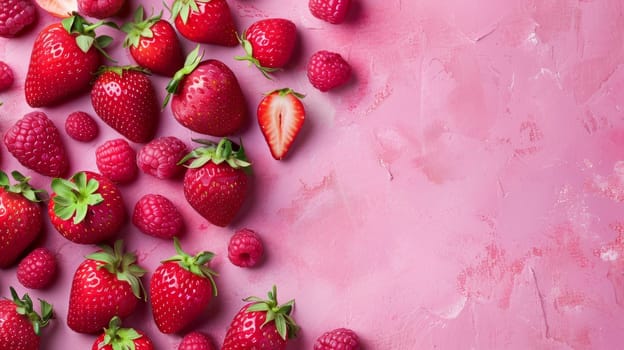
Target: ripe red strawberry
x: 125, y: 100
x: 181, y: 289
x: 157, y: 216
x: 36, y: 143
x: 269, y: 44
x: 261, y: 324
x: 117, y: 338
x: 327, y: 70
x: 6, y: 76
x: 196, y: 341
x: 160, y: 157
x: 332, y: 11
x: 106, y: 284
x: 205, y: 21
x: 38, y: 269
x: 100, y: 9
x: 86, y: 209
x: 15, y: 16
x: 281, y: 115
x: 206, y: 97
x: 153, y: 44
x: 216, y: 182
x: 245, y: 248
x: 338, y: 339
x: 116, y: 160
x: 20, y: 325
x: 81, y: 127
x: 21, y: 218
x: 64, y: 57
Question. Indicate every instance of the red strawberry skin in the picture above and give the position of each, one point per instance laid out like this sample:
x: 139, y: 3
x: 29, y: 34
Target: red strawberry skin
x: 58, y: 69
x: 16, y: 331
x: 127, y: 102
x: 210, y: 101
x: 20, y: 223
x: 143, y: 343
x: 246, y: 332
x: 212, y: 24
x: 162, y: 53
x: 273, y: 41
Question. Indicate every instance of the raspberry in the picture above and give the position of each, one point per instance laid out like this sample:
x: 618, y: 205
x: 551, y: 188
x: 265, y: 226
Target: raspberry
x: 338, y: 339
x: 81, y: 127
x: 38, y: 269
x: 332, y: 11
x: 160, y: 157
x: 328, y: 70
x: 116, y: 160
x: 98, y: 8
x: 157, y: 216
x: 196, y: 341
x: 15, y: 15
x: 245, y: 248
x: 6, y: 76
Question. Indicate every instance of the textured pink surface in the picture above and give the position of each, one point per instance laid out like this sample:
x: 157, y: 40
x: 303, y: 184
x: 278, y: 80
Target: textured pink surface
x: 464, y: 191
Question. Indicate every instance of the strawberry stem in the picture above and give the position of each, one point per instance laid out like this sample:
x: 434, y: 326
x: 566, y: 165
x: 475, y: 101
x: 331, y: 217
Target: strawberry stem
x: 219, y: 153
x: 246, y: 44
x: 195, y: 264
x: 24, y: 307
x: 86, y: 37
x: 21, y: 187
x: 139, y: 28
x: 119, y: 338
x: 280, y: 314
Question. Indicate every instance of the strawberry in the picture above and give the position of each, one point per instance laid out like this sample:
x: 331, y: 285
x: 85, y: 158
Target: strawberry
x: 261, y: 324
x: 64, y: 57
x: 160, y: 157
x: 269, y: 44
x: 281, y: 115
x: 21, y: 218
x: 206, y: 97
x: 157, y: 216
x: 86, y: 209
x: 20, y: 325
x: 125, y: 100
x: 117, y: 338
x: 328, y: 70
x: 80, y: 126
x: 181, y: 289
x: 106, y: 284
x: 116, y: 160
x: 196, y: 341
x: 36, y: 143
x: 338, y: 339
x: 153, y: 44
x: 332, y: 11
x: 38, y: 269
x: 216, y: 182
x: 205, y: 21
x: 99, y: 8
x: 15, y: 16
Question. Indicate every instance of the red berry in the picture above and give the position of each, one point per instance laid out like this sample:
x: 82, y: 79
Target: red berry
x: 81, y: 127
x: 245, y: 248
x: 157, y: 216
x: 16, y: 15
x: 332, y: 11
x: 328, y: 70
x: 160, y: 157
x: 38, y: 269
x: 99, y: 8
x: 338, y: 339
x: 116, y: 160
x: 196, y: 341
x: 6, y: 76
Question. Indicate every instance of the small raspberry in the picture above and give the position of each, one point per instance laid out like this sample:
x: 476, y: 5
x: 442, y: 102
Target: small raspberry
x: 157, y: 216
x: 245, y: 248
x: 332, y: 11
x: 15, y: 15
x: 99, y: 9
x: 116, y: 160
x: 328, y: 70
x: 38, y: 269
x: 338, y: 339
x: 160, y: 157
x: 6, y: 76
x: 196, y: 341
x: 81, y: 127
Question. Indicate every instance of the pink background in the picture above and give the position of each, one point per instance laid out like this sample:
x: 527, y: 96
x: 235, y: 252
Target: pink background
x: 464, y: 191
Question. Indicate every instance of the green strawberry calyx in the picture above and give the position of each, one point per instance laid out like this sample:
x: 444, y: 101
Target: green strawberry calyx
x: 284, y: 92
x: 24, y: 307
x: 21, y: 187
x: 85, y: 33
x: 73, y: 198
x: 121, y: 264
x: 119, y: 338
x: 195, y: 264
x: 139, y: 28
x: 246, y: 44
x: 192, y: 61
x: 217, y: 153
x: 280, y: 314
x: 183, y: 8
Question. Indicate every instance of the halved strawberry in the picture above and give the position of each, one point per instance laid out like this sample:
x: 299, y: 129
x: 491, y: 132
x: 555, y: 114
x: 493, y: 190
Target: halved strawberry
x: 281, y: 115
x: 59, y: 8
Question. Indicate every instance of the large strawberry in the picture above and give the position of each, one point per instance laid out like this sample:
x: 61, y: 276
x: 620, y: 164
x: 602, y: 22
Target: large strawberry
x: 261, y: 324
x: 64, y: 57
x: 117, y: 338
x: 105, y: 285
x: 216, y: 182
x: 181, y: 289
x: 280, y: 116
x: 153, y: 44
x: 206, y: 97
x: 125, y: 100
x: 20, y: 325
x: 205, y: 21
x: 21, y: 218
x: 86, y: 209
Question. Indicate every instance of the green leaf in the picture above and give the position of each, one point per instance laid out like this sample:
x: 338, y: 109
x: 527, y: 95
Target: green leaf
x: 280, y: 324
x: 64, y: 213
x: 4, y: 179
x: 81, y: 213
x: 138, y: 14
x: 68, y: 22
x: 84, y: 42
x: 103, y: 41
